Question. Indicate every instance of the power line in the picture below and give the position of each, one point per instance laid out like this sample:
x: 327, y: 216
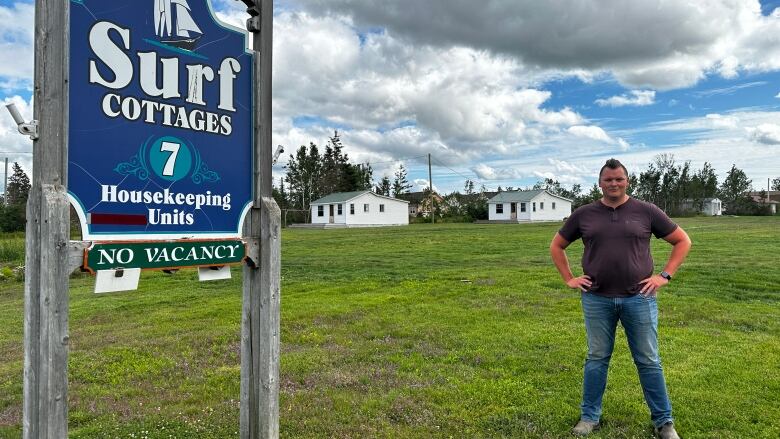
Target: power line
x: 397, y: 160
x: 464, y: 176
x: 15, y: 152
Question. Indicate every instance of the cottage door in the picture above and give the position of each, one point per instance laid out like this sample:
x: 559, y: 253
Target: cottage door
x: 513, y: 210
x: 330, y: 219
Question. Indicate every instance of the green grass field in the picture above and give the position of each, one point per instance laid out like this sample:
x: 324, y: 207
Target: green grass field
x: 446, y: 331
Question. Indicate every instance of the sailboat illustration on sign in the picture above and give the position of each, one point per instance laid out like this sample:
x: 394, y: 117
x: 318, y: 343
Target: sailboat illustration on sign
x: 174, y: 25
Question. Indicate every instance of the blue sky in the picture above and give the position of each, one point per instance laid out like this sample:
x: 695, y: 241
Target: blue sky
x: 507, y: 93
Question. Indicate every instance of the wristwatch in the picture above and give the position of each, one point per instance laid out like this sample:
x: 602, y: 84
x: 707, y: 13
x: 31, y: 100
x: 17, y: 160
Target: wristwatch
x: 666, y: 275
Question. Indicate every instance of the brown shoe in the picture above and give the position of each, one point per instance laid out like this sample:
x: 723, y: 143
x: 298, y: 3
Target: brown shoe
x: 584, y: 428
x: 666, y: 431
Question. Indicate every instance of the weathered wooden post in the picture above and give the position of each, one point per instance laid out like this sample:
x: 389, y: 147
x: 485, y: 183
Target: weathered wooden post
x: 47, y: 234
x: 262, y: 230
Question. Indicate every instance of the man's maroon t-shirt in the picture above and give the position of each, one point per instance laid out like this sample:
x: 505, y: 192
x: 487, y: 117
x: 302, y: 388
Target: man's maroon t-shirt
x: 617, y: 243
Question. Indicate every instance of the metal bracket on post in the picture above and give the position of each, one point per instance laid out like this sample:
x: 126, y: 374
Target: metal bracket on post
x: 76, y: 254
x: 253, y: 24
x: 213, y: 273
x: 252, y: 251
x: 26, y: 128
x: 253, y: 9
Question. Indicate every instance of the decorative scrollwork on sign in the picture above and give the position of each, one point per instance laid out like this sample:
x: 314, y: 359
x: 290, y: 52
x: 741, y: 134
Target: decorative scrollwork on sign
x: 203, y: 173
x: 135, y: 166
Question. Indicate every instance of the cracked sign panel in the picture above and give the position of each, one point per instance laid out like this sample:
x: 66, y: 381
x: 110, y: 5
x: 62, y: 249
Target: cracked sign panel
x: 160, y: 135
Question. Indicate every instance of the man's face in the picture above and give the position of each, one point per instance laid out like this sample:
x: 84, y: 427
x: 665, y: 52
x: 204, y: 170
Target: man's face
x: 613, y: 183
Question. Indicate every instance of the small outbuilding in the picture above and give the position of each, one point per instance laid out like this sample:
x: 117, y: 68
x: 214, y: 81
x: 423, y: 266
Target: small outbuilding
x: 524, y: 206
x: 359, y: 209
x: 709, y: 206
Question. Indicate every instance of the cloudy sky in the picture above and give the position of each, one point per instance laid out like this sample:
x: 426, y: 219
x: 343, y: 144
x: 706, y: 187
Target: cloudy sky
x: 503, y: 92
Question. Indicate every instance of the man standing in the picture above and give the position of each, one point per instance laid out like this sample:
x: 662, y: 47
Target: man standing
x: 618, y: 284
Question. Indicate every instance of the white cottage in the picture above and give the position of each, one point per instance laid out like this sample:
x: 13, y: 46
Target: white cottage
x: 359, y: 209
x: 522, y: 206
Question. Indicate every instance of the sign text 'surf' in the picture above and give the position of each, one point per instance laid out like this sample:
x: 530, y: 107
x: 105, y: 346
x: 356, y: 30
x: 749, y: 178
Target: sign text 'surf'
x: 160, y: 137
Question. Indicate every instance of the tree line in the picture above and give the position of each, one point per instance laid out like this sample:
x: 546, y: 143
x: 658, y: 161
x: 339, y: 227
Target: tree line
x: 13, y: 203
x: 310, y: 175
x: 675, y: 187
x: 679, y: 189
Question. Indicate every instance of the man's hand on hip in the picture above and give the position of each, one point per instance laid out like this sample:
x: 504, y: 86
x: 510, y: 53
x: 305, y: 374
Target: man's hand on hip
x: 582, y: 283
x: 652, y: 284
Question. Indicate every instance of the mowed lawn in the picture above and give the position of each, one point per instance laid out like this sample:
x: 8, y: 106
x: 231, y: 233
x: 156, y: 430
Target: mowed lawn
x: 445, y: 331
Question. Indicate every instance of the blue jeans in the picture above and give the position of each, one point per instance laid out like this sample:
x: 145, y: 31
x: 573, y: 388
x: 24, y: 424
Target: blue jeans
x: 639, y: 317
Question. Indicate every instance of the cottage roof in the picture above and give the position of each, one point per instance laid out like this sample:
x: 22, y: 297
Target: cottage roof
x: 342, y: 197
x: 338, y: 197
x: 520, y: 196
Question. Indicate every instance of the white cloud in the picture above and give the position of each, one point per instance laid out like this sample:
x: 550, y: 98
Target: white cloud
x: 728, y: 90
x: 560, y: 178
x: 16, y: 46
x: 648, y: 43
x: 590, y: 132
x: 485, y: 172
x: 638, y: 98
x: 466, y: 102
x: 422, y: 184
x: 766, y: 133
x: 566, y: 167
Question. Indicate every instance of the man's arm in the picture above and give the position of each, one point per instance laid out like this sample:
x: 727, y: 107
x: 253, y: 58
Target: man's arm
x: 558, y: 254
x: 681, y: 245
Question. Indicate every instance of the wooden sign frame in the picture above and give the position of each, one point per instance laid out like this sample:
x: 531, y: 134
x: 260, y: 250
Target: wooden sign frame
x: 50, y: 256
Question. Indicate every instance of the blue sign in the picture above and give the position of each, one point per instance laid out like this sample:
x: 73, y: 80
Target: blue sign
x: 160, y: 134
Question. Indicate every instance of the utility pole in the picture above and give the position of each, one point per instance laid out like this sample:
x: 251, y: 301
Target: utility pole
x: 430, y: 182
x: 5, y: 186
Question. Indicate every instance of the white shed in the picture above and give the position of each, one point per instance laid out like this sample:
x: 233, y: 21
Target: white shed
x: 359, y: 209
x: 522, y: 206
x: 709, y: 206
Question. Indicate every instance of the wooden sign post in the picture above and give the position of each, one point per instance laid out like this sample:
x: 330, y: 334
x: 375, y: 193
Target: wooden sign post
x: 51, y: 256
x: 262, y: 231
x: 48, y: 234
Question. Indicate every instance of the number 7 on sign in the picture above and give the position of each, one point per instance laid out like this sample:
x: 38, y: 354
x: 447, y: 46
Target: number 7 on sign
x: 173, y: 148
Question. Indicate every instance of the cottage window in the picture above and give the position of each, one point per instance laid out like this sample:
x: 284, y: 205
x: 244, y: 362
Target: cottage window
x: 522, y: 207
x: 365, y: 207
x: 340, y: 209
x: 320, y: 210
x: 381, y: 208
x: 352, y: 209
x: 541, y: 205
x: 499, y: 208
x: 553, y: 205
x: 533, y: 205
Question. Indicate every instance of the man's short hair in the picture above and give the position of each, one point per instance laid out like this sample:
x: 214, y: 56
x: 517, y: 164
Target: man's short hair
x: 613, y: 164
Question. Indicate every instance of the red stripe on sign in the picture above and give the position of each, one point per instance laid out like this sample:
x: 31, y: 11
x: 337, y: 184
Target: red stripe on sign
x: 118, y: 219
